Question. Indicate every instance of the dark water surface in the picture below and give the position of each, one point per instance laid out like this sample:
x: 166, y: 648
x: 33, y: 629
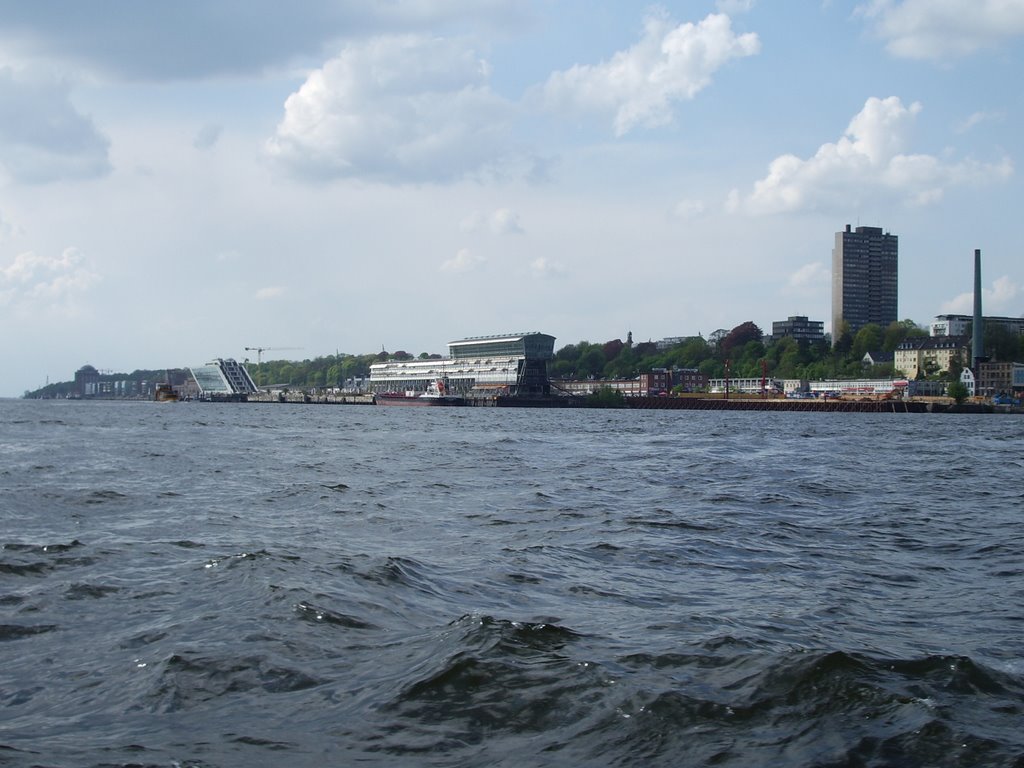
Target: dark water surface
x: 248, y: 585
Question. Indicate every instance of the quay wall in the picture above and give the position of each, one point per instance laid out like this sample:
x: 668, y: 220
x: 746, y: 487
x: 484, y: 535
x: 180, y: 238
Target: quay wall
x: 768, y: 404
x: 715, y: 402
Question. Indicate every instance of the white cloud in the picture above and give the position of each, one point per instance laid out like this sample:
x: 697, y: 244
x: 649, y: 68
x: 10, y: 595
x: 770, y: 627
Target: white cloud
x: 503, y: 221
x: 998, y: 298
x: 811, y: 277
x: 688, y: 209
x: 640, y: 86
x: 868, y: 161
x: 269, y: 292
x: 463, y: 261
x: 394, y: 109
x: 43, y: 137
x: 977, y: 119
x: 936, y: 29
x: 735, y: 7
x: 46, y: 282
x: 543, y: 267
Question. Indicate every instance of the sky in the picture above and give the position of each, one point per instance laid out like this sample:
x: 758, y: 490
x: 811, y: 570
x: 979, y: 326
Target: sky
x: 181, y: 181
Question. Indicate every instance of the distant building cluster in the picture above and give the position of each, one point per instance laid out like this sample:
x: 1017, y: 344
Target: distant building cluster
x: 89, y: 382
x: 865, y: 290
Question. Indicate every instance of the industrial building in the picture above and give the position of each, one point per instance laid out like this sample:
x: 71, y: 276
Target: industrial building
x: 865, y: 280
x: 512, y: 364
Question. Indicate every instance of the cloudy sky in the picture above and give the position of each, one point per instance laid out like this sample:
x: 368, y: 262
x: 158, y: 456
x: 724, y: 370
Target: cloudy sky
x: 180, y: 181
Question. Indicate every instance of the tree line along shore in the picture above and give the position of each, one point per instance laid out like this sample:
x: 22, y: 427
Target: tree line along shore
x: 744, y: 349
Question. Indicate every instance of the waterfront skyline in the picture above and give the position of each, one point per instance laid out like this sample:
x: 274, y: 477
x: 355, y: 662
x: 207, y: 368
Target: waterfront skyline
x: 180, y: 184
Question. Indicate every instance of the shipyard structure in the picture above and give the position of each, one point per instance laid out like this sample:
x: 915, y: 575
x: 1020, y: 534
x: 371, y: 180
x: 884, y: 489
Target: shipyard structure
x: 512, y: 365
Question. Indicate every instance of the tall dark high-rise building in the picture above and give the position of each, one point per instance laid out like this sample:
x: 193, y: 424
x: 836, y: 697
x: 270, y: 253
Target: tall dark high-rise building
x: 865, y: 283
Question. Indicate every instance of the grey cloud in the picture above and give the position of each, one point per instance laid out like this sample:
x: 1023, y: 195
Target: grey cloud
x: 43, y: 137
x: 207, y: 136
x: 190, y: 39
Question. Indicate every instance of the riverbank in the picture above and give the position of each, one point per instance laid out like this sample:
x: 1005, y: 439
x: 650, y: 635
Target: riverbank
x: 706, y: 403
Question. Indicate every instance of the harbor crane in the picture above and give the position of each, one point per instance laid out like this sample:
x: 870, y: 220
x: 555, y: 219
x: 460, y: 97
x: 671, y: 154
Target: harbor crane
x: 259, y: 356
x: 260, y: 350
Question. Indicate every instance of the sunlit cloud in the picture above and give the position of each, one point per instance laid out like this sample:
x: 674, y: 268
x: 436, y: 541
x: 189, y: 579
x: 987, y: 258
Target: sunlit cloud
x: 395, y: 109
x: 810, y: 277
x: 870, y: 159
x: 998, y: 298
x: 641, y: 86
x: 47, y: 282
x: 543, y: 267
x: 503, y: 221
x: 943, y: 29
x: 463, y: 261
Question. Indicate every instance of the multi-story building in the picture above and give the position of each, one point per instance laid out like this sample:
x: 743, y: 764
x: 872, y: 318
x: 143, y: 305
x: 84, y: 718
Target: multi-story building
x: 865, y: 280
x: 689, y: 379
x: 87, y: 381
x: 995, y: 378
x: 799, y: 328
x: 959, y: 325
x: 514, y: 364
x: 931, y: 354
x: 657, y: 381
x: 222, y: 378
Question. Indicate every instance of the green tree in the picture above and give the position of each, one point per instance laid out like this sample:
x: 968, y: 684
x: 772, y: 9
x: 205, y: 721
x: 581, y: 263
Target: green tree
x: 591, y: 363
x: 958, y: 391
x: 606, y: 397
x: 867, y: 339
x: 1000, y: 343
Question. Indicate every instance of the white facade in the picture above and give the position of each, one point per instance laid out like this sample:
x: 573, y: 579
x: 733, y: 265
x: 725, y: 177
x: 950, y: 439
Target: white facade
x: 511, y: 364
x: 480, y: 373
x: 745, y: 386
x: 858, y: 386
x: 968, y: 380
x: 957, y: 325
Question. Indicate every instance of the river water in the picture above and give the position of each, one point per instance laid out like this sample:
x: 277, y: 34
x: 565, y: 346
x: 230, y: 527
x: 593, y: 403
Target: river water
x: 195, y: 584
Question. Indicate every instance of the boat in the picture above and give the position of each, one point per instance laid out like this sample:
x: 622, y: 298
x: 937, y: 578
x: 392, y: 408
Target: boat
x: 165, y: 393
x: 436, y: 394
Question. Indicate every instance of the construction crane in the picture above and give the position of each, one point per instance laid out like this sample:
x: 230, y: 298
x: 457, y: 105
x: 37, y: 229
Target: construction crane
x: 259, y: 356
x: 260, y: 350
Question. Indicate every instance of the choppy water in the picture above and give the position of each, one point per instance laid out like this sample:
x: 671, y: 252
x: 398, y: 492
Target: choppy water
x: 237, y: 585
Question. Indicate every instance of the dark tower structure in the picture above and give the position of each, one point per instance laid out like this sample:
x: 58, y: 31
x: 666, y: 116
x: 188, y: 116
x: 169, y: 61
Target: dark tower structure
x: 865, y: 279
x: 978, y: 332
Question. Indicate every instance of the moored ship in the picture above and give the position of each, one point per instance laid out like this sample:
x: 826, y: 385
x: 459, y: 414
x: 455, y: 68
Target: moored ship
x: 165, y: 394
x: 436, y: 394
